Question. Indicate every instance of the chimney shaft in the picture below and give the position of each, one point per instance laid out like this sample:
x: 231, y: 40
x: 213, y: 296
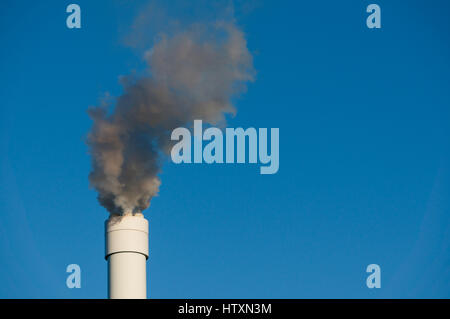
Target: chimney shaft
x: 126, y: 253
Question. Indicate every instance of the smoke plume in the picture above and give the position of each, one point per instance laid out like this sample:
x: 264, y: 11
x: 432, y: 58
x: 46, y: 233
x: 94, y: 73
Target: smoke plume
x: 191, y: 74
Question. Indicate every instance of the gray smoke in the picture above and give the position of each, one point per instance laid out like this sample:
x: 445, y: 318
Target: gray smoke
x: 191, y: 75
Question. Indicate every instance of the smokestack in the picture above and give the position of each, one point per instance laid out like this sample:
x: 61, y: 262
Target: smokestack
x: 192, y: 74
x: 127, y: 253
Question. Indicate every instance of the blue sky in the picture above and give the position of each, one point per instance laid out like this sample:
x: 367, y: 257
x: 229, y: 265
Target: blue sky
x: 364, y: 155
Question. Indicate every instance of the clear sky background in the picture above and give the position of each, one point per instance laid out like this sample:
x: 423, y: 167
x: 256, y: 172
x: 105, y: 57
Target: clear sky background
x: 364, y: 155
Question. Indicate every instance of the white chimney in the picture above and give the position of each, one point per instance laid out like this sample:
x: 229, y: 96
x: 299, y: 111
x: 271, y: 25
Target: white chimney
x: 127, y: 253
